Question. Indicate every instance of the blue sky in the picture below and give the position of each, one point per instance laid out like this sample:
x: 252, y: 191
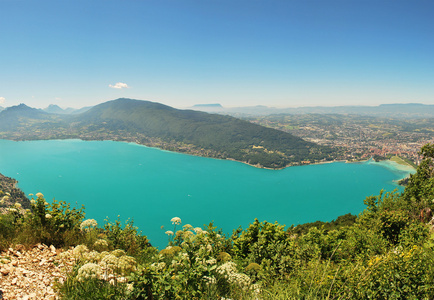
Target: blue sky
x: 283, y: 53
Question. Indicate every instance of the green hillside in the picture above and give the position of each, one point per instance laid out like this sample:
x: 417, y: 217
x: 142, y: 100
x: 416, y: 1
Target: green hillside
x: 158, y: 125
x: 231, y: 137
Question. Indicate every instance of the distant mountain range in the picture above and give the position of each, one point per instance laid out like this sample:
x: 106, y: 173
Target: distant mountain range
x: 155, y: 124
x: 55, y: 109
x: 409, y: 110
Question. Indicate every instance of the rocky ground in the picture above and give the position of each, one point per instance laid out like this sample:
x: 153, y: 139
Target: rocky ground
x: 31, y: 273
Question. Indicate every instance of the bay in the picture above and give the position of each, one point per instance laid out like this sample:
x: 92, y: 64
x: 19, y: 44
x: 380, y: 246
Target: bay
x: 151, y: 186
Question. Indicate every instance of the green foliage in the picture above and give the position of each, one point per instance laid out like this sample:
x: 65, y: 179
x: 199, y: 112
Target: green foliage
x: 399, y: 274
x: 419, y: 192
x: 53, y: 223
x: 7, y: 230
x: 91, y: 288
x: 341, y: 221
x: 127, y: 238
x: 392, y: 224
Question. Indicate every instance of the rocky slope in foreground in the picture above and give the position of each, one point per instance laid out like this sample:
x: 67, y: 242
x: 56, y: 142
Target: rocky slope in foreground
x: 31, y: 273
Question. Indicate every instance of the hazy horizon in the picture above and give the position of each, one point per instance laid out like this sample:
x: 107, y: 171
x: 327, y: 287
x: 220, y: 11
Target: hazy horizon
x: 236, y: 53
x: 225, y: 107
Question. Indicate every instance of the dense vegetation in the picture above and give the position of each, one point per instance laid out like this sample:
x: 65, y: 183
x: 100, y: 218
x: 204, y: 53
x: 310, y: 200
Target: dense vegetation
x: 384, y: 253
x: 10, y: 194
x: 165, y: 127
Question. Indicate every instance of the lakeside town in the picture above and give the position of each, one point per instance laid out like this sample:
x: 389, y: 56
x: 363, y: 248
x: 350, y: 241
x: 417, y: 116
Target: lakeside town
x: 358, y: 137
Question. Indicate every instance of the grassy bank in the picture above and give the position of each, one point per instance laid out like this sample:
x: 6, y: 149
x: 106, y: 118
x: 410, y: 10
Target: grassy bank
x: 401, y: 161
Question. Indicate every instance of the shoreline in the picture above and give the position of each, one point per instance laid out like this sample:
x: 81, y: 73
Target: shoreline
x: 258, y: 166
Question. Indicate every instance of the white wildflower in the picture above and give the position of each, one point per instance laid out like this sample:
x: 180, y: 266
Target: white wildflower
x: 48, y: 216
x: 118, y: 252
x: 229, y: 271
x: 176, y: 220
x: 92, y: 256
x: 169, y: 232
x: 198, y: 230
x: 110, y: 261
x: 209, y: 280
x: 89, y: 271
x: 88, y: 224
x: 126, y: 263
x: 17, y: 205
x: 226, y: 268
x: 78, y: 251
x: 186, y: 234
x: 39, y: 195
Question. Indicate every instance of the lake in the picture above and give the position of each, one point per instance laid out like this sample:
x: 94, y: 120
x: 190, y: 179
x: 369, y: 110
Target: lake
x: 151, y: 186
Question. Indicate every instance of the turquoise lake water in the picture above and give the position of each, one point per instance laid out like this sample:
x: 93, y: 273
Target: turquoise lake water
x: 152, y: 186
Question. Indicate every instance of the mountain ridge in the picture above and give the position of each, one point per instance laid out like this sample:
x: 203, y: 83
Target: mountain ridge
x: 399, y: 110
x: 158, y: 125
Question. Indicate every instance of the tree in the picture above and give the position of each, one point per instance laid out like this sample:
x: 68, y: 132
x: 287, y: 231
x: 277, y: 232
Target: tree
x: 419, y: 193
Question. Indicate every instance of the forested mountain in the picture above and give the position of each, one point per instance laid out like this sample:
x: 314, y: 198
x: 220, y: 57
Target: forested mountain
x: 24, y: 122
x: 155, y: 124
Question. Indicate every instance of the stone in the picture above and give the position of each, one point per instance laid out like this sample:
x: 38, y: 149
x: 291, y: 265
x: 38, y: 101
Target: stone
x: 4, y: 271
x: 30, y: 274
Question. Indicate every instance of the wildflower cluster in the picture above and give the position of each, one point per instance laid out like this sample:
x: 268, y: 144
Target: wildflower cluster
x: 89, y: 271
x: 110, y: 266
x: 229, y: 271
x: 176, y: 220
x: 193, y: 263
x: 88, y: 225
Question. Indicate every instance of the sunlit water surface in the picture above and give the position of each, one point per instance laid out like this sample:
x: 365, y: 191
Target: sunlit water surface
x: 151, y: 186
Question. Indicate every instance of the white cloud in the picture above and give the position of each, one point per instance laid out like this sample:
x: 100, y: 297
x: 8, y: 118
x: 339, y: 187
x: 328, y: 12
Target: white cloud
x: 119, y: 85
x: 2, y: 100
